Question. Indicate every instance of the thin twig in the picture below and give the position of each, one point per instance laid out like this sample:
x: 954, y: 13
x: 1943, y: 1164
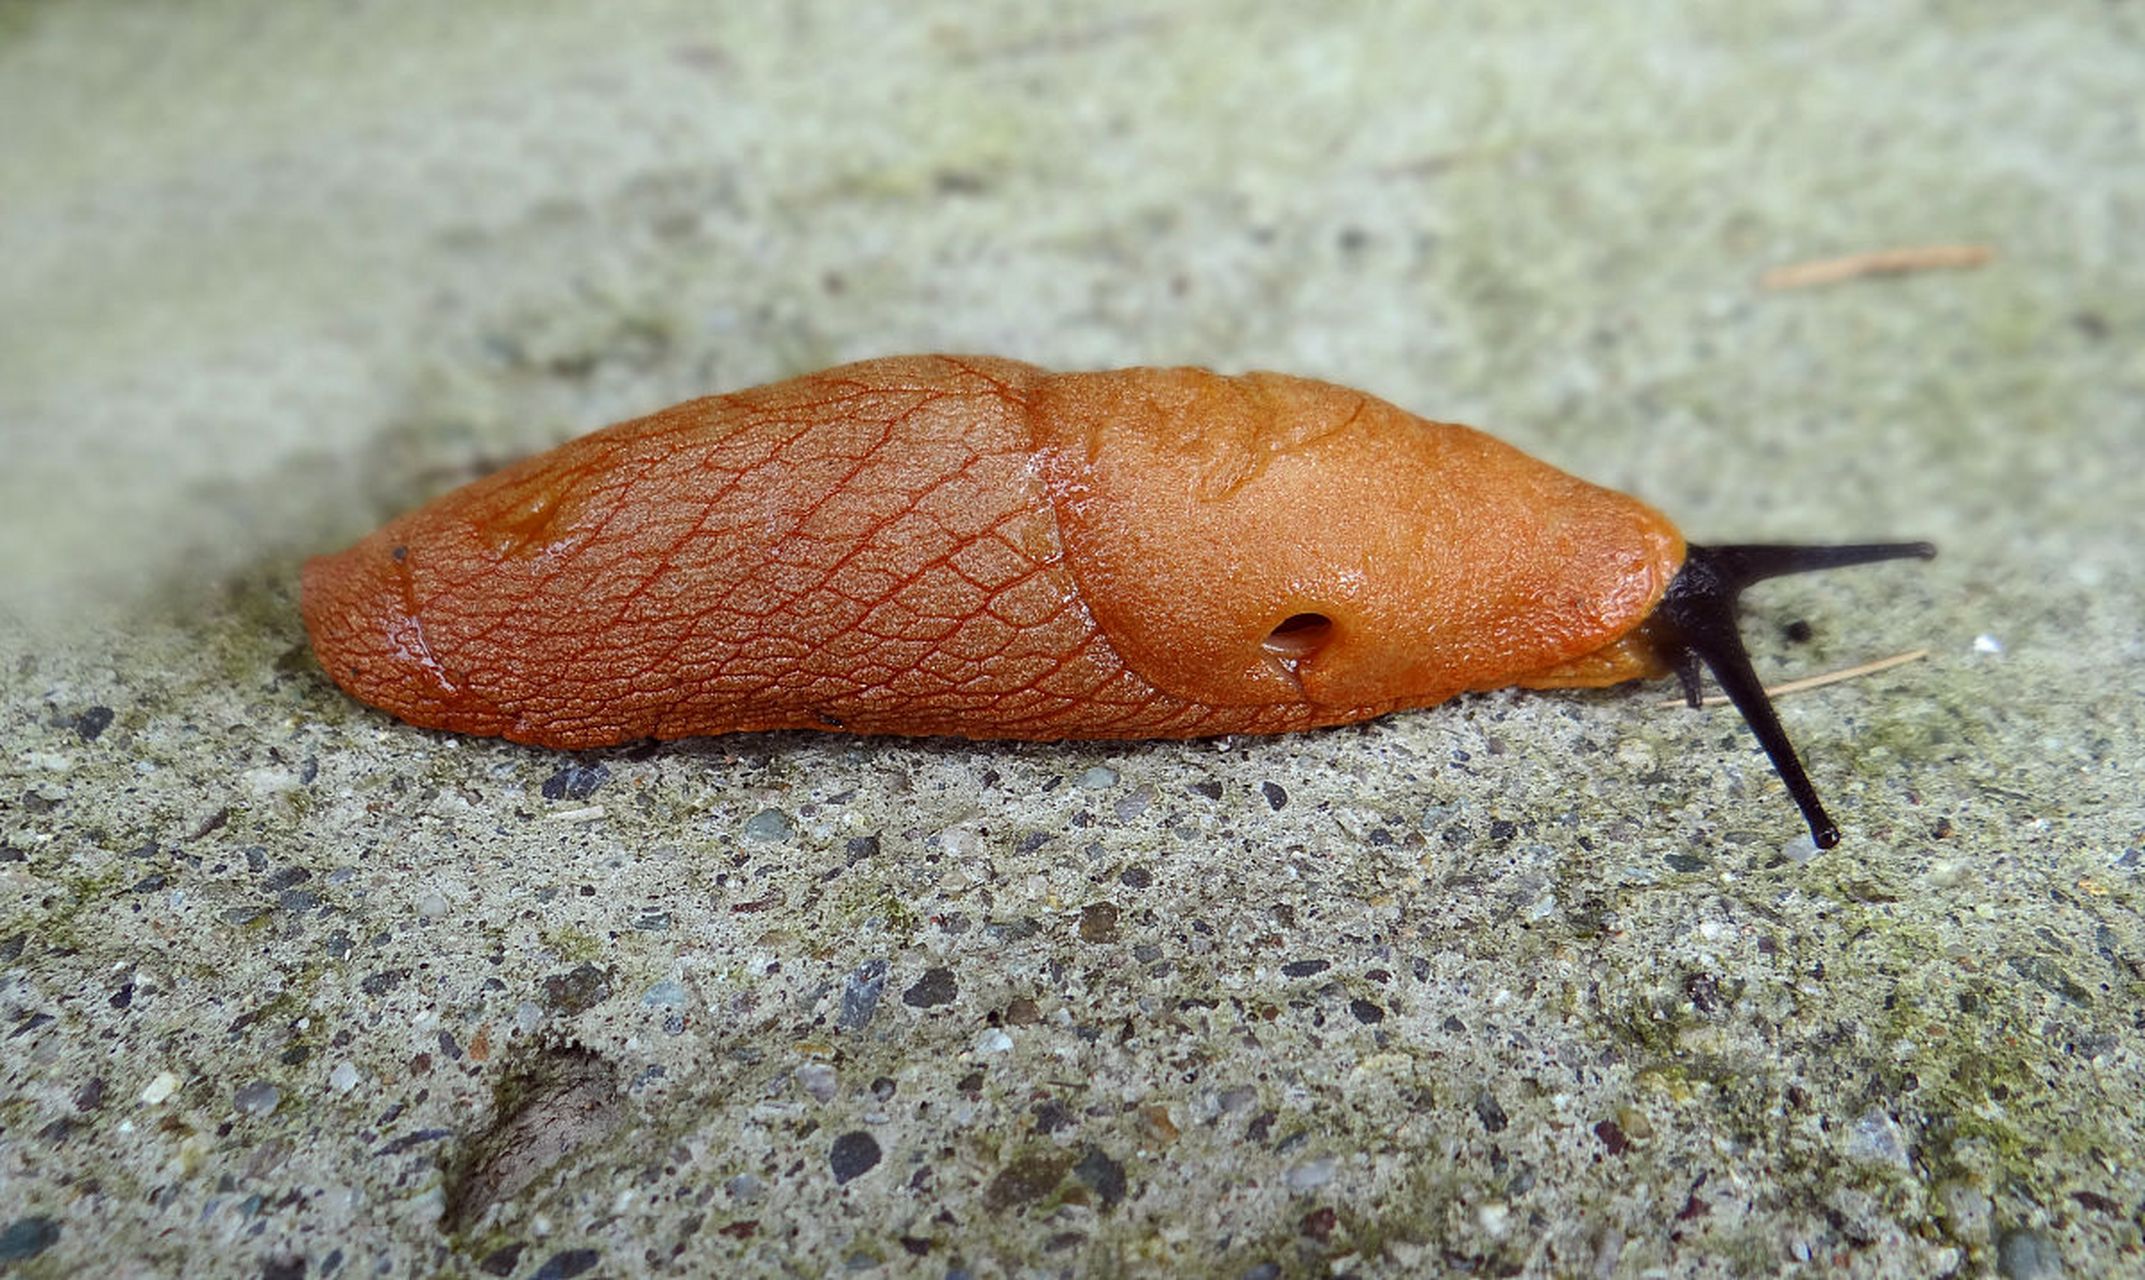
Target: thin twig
x: 1818, y: 681
x: 1877, y: 262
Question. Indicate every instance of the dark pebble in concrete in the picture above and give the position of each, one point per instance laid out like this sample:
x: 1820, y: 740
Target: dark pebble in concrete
x: 854, y: 1154
x: 1490, y: 1114
x: 27, y: 1237
x: 860, y: 996
x: 1102, y: 1175
x: 575, y: 782
x: 935, y: 988
x: 565, y: 1264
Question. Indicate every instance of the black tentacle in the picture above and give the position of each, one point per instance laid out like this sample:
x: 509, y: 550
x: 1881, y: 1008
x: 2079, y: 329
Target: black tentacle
x: 1695, y: 622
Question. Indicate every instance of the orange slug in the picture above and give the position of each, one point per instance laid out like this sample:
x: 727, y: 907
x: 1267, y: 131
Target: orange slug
x: 978, y: 547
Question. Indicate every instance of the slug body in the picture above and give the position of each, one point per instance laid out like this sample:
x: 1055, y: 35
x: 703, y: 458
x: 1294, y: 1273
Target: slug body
x: 977, y: 547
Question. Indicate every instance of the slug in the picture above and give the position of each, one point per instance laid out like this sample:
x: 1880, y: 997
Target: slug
x: 982, y: 548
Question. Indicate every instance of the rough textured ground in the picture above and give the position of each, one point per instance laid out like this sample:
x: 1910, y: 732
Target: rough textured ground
x: 1526, y: 984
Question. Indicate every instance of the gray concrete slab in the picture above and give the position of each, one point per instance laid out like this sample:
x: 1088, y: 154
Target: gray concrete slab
x: 1527, y: 984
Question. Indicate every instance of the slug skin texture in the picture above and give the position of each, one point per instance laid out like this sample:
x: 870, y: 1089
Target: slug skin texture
x: 977, y: 547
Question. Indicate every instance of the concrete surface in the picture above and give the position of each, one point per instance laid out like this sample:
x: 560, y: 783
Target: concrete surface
x: 1539, y: 985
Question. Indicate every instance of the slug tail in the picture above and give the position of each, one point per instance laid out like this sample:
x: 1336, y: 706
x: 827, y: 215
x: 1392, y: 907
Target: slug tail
x: 1695, y: 624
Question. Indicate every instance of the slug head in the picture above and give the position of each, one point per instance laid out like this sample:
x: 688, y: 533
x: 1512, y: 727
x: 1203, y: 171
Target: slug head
x: 1266, y: 540
x: 1694, y: 625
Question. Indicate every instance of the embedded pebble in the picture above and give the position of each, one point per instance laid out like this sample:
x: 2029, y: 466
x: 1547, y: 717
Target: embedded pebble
x: 1309, y: 1176
x: 566, y: 1264
x: 575, y: 782
x: 1800, y: 849
x: 994, y: 1041
x: 1104, y: 1176
x: 160, y: 1088
x: 669, y: 993
x: 853, y: 1155
x: 268, y: 781
x: 2024, y: 1255
x: 27, y: 1237
x: 256, y: 1099
x: 1875, y: 1139
x: 344, y: 1078
x: 432, y: 906
x: 768, y: 826
x: 936, y: 987
x: 964, y: 842
x: 860, y: 996
x: 1100, y: 778
x: 1966, y: 1209
x: 819, y: 1081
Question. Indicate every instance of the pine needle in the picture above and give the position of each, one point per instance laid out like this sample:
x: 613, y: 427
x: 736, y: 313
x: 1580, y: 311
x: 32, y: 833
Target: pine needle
x: 1817, y: 681
x: 1877, y: 262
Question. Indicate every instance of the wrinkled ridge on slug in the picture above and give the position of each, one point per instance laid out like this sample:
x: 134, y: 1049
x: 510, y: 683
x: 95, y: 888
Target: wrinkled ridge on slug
x: 978, y: 547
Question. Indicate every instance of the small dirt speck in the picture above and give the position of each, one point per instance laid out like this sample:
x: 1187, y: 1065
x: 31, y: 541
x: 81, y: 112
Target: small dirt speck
x: 93, y: 722
x: 578, y: 990
x: 1098, y: 922
x: 1026, y: 1179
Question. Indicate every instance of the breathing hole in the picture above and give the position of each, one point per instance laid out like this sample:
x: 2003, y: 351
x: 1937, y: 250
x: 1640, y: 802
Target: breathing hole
x: 1299, y: 636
